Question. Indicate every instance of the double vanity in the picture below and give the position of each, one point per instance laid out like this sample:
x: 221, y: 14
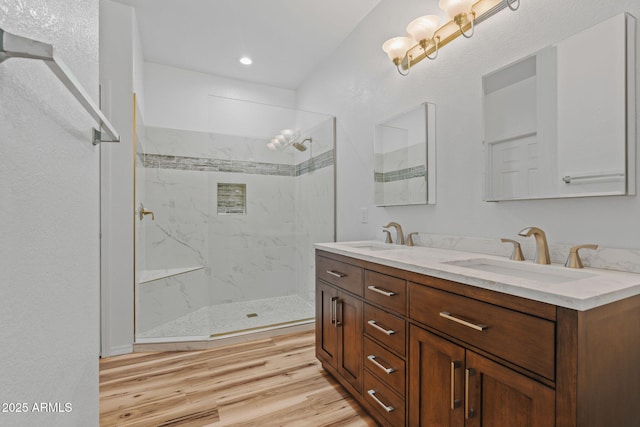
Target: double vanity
x: 431, y: 337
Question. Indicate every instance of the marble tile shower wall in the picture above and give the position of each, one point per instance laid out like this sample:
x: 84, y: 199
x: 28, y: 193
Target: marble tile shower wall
x: 140, y: 197
x: 314, y: 223
x: 244, y: 256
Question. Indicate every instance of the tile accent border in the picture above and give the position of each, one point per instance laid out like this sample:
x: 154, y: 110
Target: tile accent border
x: 318, y: 162
x: 204, y: 164
x: 401, y: 174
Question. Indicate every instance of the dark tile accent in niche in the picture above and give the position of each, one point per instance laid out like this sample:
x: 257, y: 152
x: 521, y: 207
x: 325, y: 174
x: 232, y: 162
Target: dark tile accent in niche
x: 232, y: 199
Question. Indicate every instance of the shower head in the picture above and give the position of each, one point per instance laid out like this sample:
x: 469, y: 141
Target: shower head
x: 300, y: 145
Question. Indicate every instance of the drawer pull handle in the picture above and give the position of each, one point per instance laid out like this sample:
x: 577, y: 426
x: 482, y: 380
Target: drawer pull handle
x: 454, y: 402
x: 381, y: 329
x: 334, y: 311
x: 468, y: 411
x: 336, y: 274
x: 449, y: 316
x: 379, y: 365
x: 381, y: 291
x: 372, y: 393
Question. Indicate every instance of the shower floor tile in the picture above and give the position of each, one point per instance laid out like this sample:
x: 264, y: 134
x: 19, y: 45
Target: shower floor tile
x: 233, y: 317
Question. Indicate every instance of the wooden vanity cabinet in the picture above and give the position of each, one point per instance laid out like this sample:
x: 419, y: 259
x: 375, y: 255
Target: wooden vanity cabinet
x: 385, y: 331
x: 450, y: 386
x: 339, y: 334
x: 450, y: 354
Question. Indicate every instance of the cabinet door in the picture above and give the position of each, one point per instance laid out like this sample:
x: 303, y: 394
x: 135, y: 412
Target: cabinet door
x: 436, y: 381
x: 326, y: 325
x: 349, y: 319
x: 498, y: 396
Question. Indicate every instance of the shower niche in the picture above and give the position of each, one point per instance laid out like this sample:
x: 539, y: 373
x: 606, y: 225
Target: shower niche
x: 232, y: 199
x: 243, y: 214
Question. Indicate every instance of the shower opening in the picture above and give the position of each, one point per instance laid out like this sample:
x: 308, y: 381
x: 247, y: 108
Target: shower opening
x: 237, y: 207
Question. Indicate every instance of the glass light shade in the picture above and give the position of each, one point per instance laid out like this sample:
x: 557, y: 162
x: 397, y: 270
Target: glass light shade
x: 281, y: 139
x: 423, y: 28
x: 455, y: 7
x: 287, y: 133
x: 271, y: 146
x: 397, y: 47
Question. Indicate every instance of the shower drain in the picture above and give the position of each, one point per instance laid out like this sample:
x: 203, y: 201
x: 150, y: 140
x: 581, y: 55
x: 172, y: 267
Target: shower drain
x: 252, y: 315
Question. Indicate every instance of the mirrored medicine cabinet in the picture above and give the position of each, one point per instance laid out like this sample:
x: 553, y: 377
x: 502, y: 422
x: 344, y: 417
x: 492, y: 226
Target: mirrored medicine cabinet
x: 404, y: 158
x: 561, y: 122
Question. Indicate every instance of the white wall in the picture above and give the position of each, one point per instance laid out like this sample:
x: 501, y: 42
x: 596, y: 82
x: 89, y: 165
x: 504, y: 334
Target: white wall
x: 361, y: 87
x: 49, y: 219
x: 179, y: 99
x: 119, y: 63
x: 138, y: 66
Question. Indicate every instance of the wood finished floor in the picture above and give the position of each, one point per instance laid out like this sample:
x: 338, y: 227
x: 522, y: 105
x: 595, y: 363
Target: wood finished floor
x: 270, y: 382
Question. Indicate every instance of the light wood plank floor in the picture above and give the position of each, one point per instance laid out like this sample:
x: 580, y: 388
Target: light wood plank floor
x: 270, y: 382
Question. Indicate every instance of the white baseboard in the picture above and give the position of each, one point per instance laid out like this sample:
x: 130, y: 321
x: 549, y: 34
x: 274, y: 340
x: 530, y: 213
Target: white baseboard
x: 120, y: 350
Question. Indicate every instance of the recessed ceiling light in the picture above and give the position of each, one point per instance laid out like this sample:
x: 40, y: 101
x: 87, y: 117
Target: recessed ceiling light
x: 245, y: 60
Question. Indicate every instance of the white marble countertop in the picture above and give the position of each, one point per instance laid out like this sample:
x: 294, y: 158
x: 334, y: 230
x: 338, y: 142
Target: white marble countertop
x: 578, y: 289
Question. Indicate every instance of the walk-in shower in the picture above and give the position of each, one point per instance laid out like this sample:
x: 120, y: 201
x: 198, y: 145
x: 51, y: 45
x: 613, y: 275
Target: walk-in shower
x: 229, y: 247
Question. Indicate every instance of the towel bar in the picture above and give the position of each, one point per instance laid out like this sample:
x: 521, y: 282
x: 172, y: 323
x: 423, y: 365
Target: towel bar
x: 13, y: 46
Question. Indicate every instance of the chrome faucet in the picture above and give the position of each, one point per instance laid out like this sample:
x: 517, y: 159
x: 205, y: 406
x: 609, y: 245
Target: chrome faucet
x: 399, y: 233
x: 542, y: 248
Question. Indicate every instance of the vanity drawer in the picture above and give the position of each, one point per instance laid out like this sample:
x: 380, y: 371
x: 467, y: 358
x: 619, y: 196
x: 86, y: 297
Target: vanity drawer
x: 379, y: 396
x: 524, y: 340
x: 387, y: 291
x: 388, y: 367
x: 385, y: 327
x: 346, y: 276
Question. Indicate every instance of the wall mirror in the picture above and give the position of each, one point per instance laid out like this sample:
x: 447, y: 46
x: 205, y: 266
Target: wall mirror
x: 561, y: 122
x: 404, y: 158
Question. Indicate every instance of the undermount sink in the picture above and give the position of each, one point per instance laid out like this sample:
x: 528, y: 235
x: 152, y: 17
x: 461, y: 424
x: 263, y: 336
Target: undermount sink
x: 523, y: 270
x: 372, y: 246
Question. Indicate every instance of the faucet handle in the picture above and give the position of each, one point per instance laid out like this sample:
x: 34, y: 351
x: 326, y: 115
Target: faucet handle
x: 516, y: 255
x: 388, y: 238
x: 410, y: 238
x: 574, y: 261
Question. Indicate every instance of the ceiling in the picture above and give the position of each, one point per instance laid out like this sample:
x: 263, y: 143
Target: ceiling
x: 286, y: 39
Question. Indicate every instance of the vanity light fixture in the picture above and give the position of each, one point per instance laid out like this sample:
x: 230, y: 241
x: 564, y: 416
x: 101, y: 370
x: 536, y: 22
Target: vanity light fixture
x: 285, y: 138
x: 428, y: 36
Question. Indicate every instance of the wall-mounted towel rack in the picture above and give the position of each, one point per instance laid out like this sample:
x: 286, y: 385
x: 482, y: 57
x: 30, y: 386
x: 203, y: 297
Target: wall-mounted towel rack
x: 570, y: 178
x: 13, y: 46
